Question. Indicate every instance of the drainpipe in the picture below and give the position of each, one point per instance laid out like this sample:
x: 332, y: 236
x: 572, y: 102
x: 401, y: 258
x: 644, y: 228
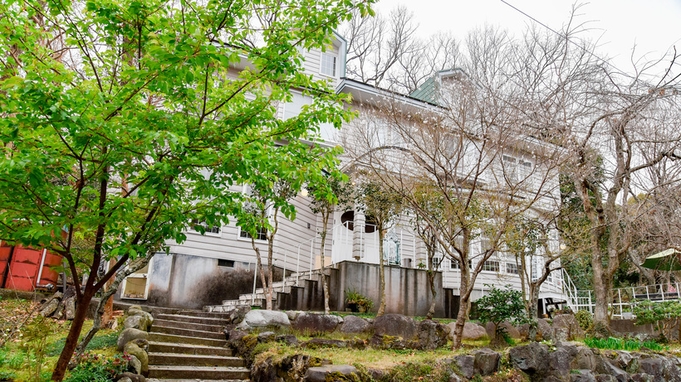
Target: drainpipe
x: 7, y: 268
x: 40, y: 270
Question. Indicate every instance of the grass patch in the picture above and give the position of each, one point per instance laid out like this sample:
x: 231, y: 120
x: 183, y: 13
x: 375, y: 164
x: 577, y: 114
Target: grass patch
x: 613, y: 343
x: 29, y: 354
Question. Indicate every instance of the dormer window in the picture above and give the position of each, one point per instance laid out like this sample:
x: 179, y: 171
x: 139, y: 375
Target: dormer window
x: 328, y: 65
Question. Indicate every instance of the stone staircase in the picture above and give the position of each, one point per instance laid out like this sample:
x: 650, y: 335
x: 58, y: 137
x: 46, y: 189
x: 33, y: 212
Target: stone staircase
x: 297, y: 292
x: 189, y: 346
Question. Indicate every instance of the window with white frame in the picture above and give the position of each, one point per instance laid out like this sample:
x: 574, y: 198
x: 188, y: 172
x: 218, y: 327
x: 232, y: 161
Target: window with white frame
x: 491, y: 266
x: 436, y: 262
x: 516, y: 169
x: 512, y: 268
x: 454, y: 264
x: 204, y: 227
x: 328, y: 64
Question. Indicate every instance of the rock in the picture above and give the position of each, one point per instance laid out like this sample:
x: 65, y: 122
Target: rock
x: 511, y: 330
x: 617, y: 373
x: 587, y: 360
x: 395, y: 325
x: 264, y: 319
x: 454, y: 378
x: 431, y: 335
x: 486, y: 362
x: 70, y: 308
x: 236, y: 315
x: 132, y: 349
x: 652, y: 366
x: 605, y: 378
x: 567, y: 324
x: 466, y: 364
x: 317, y: 343
x: 376, y: 374
x: 293, y: 314
x: 471, y: 331
x: 234, y: 334
x: 288, y: 339
x: 356, y: 343
x: 124, y: 379
x: 265, y: 337
x: 134, y: 377
x: 320, y: 373
x: 354, y: 324
x: 641, y: 377
x: 51, y: 305
x: 379, y: 341
x: 544, y: 330
x: 137, y: 322
x: 582, y: 376
x: 130, y: 334
x: 560, y: 361
x: 132, y: 311
x: 316, y: 323
x: 531, y: 358
x: 135, y: 364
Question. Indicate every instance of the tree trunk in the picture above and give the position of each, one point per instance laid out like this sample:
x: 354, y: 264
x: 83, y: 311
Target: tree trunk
x: 72, y: 339
x: 433, y: 293
x: 601, y: 285
x: 325, y: 284
x: 381, y: 274
x: 461, y: 317
x: 532, y: 310
x: 269, y: 291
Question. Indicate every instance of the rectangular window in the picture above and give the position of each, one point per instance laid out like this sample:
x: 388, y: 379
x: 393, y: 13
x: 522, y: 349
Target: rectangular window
x: 512, y: 268
x: 516, y: 169
x: 490, y: 266
x: 226, y: 263
x: 328, y: 66
x: 436, y: 262
x: 202, y: 226
x: 262, y: 234
x: 454, y: 264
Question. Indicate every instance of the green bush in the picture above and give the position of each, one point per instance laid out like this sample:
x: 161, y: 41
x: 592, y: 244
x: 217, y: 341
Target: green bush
x: 361, y: 302
x: 663, y: 315
x: 613, y: 343
x: 585, y: 320
x: 93, y: 368
x: 501, y: 305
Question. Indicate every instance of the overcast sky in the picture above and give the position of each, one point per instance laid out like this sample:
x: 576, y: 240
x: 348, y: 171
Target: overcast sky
x: 653, y: 25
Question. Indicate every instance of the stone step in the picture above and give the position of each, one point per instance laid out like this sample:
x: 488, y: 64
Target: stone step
x: 178, y: 348
x: 198, y: 372
x: 188, y: 331
x: 195, y: 380
x: 219, y: 320
x: 192, y: 325
x: 158, y: 359
x: 174, y: 338
x: 223, y: 308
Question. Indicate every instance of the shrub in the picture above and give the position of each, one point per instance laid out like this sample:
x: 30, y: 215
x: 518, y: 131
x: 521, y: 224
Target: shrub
x: 358, y: 300
x: 613, y: 343
x: 585, y: 320
x: 501, y: 305
x: 93, y: 368
x: 663, y: 315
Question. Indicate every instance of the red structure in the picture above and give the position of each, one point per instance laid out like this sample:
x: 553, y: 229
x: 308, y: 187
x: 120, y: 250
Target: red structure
x: 27, y: 269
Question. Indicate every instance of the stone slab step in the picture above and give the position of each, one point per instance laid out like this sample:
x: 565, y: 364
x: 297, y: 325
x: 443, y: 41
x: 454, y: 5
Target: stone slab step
x: 186, y: 332
x: 224, y: 308
x: 198, y: 372
x: 167, y: 347
x: 189, y: 325
x: 174, y: 338
x: 215, y: 319
x: 158, y: 359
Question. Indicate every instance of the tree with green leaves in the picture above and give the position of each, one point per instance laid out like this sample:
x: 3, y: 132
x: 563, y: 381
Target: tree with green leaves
x: 383, y: 206
x: 501, y: 305
x: 328, y: 191
x: 172, y: 102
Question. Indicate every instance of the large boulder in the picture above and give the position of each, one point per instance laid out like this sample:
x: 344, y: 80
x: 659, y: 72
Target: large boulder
x: 466, y: 364
x: 316, y: 323
x: 354, y: 324
x: 130, y: 334
x: 321, y: 373
x: 132, y: 349
x: 431, y: 335
x: 264, y: 319
x: 135, y: 310
x: 471, y: 331
x: 395, y: 325
x: 566, y: 325
x: 511, y: 330
x: 138, y: 322
x: 531, y: 359
x: 544, y: 330
x: 486, y: 362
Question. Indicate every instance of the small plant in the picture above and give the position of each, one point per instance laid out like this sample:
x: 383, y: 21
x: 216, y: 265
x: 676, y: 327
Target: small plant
x: 34, y: 344
x: 501, y: 305
x: 93, y: 368
x: 357, y: 302
x: 585, y: 320
x: 613, y: 343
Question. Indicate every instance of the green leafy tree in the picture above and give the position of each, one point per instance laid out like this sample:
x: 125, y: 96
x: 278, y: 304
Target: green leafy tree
x: 665, y: 316
x: 124, y: 121
x: 501, y: 305
x: 328, y: 191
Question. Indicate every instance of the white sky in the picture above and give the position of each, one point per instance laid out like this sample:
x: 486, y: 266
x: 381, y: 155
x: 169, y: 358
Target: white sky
x: 654, y: 26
